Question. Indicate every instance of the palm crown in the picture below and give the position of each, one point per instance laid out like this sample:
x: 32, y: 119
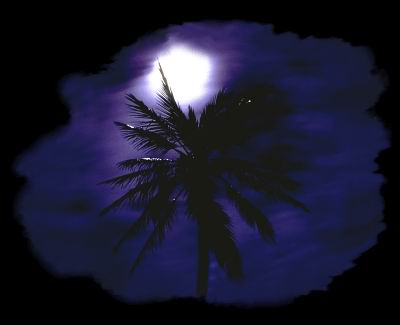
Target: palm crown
x: 201, y: 171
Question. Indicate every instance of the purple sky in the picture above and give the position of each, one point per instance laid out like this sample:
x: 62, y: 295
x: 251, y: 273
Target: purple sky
x: 327, y: 83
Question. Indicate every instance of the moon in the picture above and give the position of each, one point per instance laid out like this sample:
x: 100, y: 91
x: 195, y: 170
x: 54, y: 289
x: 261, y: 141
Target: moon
x: 187, y: 71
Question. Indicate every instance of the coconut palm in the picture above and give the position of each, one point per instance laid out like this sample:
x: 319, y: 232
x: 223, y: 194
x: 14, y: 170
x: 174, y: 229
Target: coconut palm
x: 201, y: 170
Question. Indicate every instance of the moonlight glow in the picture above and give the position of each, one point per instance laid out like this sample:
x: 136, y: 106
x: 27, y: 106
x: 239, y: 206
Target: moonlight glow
x: 187, y: 71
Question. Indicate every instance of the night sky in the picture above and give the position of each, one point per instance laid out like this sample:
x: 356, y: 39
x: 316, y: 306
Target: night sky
x: 328, y: 85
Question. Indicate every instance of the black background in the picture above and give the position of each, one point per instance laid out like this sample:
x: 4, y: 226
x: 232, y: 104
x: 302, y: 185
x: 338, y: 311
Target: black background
x: 46, y: 44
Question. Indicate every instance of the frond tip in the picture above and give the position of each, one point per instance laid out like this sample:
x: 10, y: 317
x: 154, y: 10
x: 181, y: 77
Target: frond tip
x: 162, y: 225
x: 253, y: 216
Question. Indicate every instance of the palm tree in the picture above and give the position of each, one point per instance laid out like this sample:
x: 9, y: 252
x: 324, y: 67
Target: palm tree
x: 201, y: 170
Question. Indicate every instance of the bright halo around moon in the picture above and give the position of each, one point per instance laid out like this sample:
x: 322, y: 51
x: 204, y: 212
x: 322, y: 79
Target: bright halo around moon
x: 187, y: 71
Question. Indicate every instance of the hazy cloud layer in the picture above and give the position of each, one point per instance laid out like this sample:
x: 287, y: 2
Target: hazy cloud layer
x: 327, y: 83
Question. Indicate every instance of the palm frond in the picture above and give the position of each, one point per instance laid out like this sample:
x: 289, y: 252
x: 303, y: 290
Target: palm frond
x: 224, y: 111
x: 242, y: 113
x: 138, y: 109
x: 146, y: 140
x: 175, y: 117
x: 139, y: 163
x: 166, y: 99
x: 192, y: 118
x: 156, y: 237
x: 222, y: 242
x: 156, y: 168
x: 128, y: 196
x: 273, y: 192
x: 281, y: 196
x: 246, y: 169
x: 215, y: 222
x: 137, y: 226
x: 149, y: 118
x: 253, y: 216
x: 220, y: 102
x: 125, y: 180
x: 274, y: 185
x: 138, y: 195
x: 153, y: 212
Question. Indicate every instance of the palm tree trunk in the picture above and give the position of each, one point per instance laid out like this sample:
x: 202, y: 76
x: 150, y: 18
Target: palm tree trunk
x: 203, y: 263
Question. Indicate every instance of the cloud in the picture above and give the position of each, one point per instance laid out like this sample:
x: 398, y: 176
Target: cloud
x: 328, y: 86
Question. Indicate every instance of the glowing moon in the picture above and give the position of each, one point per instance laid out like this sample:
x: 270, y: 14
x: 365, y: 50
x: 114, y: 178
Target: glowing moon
x: 187, y: 72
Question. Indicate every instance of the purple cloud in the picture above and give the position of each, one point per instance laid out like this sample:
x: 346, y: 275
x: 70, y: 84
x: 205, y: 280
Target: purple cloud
x: 327, y: 83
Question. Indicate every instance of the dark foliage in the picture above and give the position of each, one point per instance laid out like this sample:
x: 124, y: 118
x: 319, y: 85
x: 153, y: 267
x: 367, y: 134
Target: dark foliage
x: 202, y: 171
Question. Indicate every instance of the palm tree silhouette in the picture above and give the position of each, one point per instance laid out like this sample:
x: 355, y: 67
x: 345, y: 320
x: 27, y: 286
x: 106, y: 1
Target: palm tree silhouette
x: 203, y: 169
